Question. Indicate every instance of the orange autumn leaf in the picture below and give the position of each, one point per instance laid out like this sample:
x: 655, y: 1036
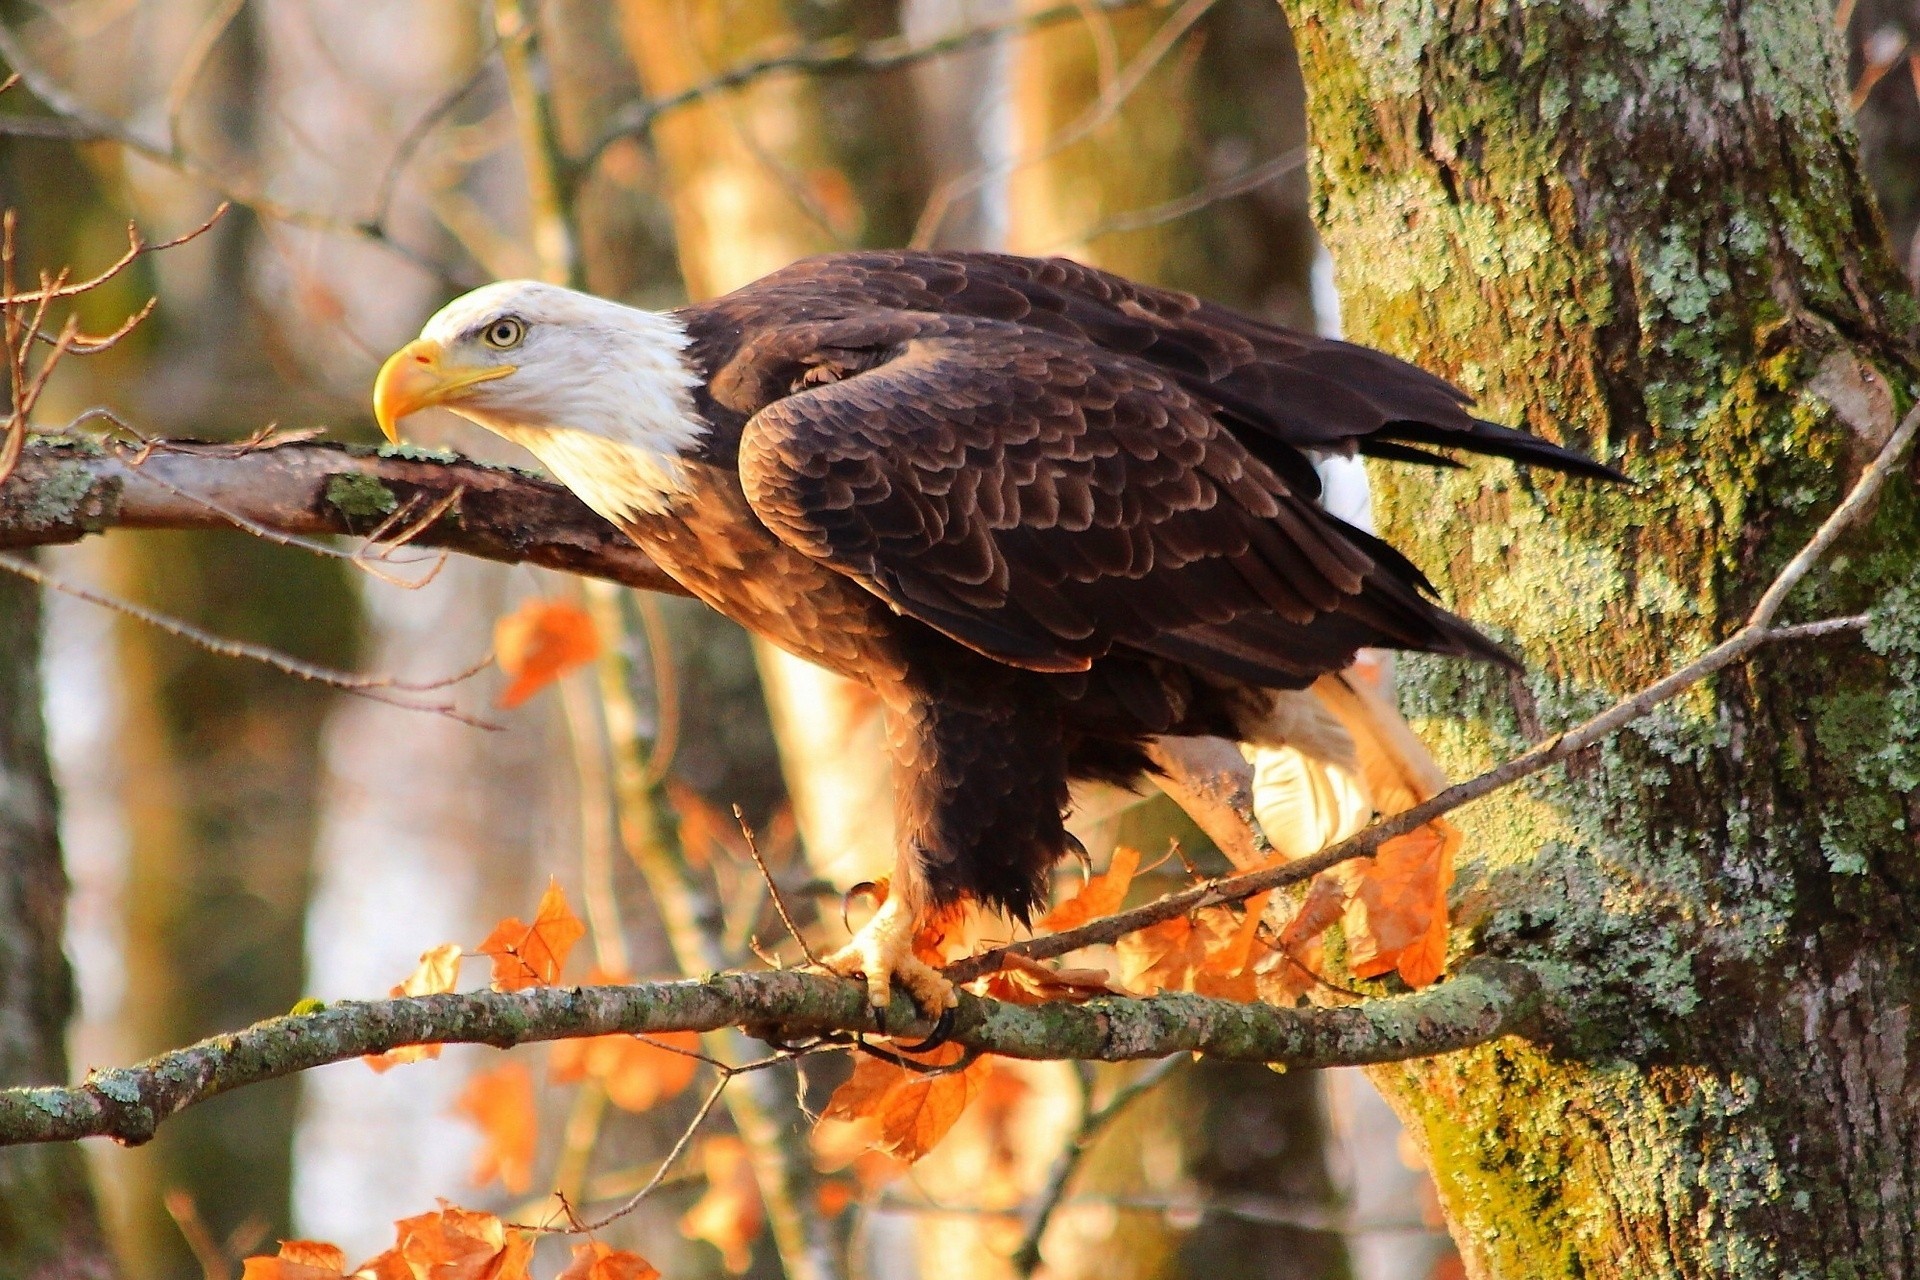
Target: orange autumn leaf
x: 1397, y: 914
x: 436, y: 974
x: 596, y: 1261
x: 1212, y: 952
x: 728, y: 1215
x: 456, y: 1244
x: 637, y: 1074
x: 1023, y: 981
x: 1394, y: 907
x: 1100, y: 896
x: 539, y: 641
x: 532, y: 955
x: 298, y: 1260
x: 501, y: 1103
x: 914, y: 1109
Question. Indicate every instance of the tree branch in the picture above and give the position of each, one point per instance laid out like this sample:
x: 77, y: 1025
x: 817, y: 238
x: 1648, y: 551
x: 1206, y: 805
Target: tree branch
x: 1488, y: 1000
x: 63, y: 491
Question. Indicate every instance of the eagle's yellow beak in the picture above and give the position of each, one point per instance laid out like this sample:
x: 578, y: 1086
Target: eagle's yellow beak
x: 415, y: 377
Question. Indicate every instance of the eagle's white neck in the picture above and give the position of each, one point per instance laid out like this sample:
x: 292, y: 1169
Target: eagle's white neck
x: 601, y: 394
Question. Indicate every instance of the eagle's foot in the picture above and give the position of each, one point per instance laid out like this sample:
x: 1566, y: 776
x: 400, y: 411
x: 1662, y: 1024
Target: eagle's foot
x: 882, y: 952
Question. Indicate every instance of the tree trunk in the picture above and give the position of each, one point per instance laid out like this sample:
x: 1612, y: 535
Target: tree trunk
x: 49, y: 1229
x: 1643, y: 229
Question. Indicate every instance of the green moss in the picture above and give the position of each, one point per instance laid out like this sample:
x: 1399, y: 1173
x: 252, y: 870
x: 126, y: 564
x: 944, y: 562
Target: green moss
x: 70, y: 495
x: 360, y: 496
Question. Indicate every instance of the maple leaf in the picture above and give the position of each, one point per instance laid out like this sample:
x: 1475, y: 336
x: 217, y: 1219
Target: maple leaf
x: 914, y: 1109
x: 1023, y: 981
x: 636, y: 1073
x: 728, y: 1215
x: 436, y: 974
x: 457, y: 1244
x: 1100, y: 896
x: 539, y: 641
x: 501, y: 1103
x: 596, y: 1261
x: 532, y: 955
x: 298, y: 1260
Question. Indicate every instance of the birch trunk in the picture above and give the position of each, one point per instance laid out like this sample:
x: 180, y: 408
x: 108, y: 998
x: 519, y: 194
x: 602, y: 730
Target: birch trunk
x: 1644, y: 229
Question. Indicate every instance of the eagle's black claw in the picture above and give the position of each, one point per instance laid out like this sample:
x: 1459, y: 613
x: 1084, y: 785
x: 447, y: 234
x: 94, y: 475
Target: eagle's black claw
x: 942, y: 1032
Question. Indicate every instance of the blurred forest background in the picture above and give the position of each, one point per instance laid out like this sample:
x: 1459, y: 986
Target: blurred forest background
x: 238, y: 839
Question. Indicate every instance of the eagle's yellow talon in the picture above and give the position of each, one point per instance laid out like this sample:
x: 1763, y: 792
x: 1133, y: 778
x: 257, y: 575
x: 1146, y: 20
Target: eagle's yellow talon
x: 882, y: 953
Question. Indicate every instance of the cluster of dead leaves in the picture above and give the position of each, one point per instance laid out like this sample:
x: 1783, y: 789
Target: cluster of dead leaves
x: 448, y: 1244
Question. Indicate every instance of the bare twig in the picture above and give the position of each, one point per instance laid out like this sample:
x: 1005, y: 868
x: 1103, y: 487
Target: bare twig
x: 1103, y: 108
x: 1249, y: 179
x: 667, y: 1161
x: 839, y: 57
x: 1093, y: 1123
x: 773, y: 886
x: 379, y: 688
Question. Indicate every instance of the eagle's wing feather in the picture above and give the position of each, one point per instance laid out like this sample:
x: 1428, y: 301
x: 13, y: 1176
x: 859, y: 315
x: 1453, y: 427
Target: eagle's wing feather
x: 1044, y: 501
x: 1280, y: 390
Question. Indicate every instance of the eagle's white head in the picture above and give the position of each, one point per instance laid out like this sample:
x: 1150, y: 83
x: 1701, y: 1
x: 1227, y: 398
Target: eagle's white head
x: 600, y: 393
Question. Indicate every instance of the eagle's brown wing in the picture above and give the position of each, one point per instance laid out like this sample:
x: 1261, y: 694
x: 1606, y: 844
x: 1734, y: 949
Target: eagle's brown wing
x: 1277, y: 389
x: 1045, y: 501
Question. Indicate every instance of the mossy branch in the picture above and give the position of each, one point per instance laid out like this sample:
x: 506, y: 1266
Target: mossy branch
x: 64, y: 490
x: 1488, y: 1000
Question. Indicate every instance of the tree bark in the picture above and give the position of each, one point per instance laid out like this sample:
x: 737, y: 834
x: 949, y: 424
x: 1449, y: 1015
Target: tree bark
x: 49, y: 1228
x: 1644, y: 229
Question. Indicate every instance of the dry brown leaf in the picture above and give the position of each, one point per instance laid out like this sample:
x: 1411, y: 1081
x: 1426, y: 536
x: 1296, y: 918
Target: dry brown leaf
x: 538, y: 642
x: 460, y: 1244
x: 436, y: 974
x: 729, y: 1214
x: 596, y: 1261
x: 1023, y: 981
x: 1099, y: 896
x: 501, y: 1103
x: 637, y: 1074
x: 298, y: 1260
x: 914, y: 1109
x: 532, y: 955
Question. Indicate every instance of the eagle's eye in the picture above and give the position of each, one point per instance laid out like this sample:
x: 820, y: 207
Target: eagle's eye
x: 505, y: 333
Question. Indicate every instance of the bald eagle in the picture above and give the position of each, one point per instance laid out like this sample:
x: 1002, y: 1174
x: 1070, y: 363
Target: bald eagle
x: 1045, y: 513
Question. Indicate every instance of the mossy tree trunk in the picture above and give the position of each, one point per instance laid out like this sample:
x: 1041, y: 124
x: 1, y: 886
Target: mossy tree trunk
x: 1643, y: 228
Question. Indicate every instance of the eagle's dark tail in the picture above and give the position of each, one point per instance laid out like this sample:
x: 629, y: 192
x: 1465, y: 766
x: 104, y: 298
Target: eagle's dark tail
x: 1489, y: 438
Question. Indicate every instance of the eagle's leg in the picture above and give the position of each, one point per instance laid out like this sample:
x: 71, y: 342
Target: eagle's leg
x: 882, y: 953
x: 979, y: 784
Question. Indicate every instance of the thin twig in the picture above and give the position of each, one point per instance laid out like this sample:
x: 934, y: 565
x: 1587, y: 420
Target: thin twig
x: 1246, y: 180
x: 773, y: 886
x: 1102, y: 109
x: 838, y: 57
x: 680, y: 1144
x: 1093, y: 1123
x: 379, y: 688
